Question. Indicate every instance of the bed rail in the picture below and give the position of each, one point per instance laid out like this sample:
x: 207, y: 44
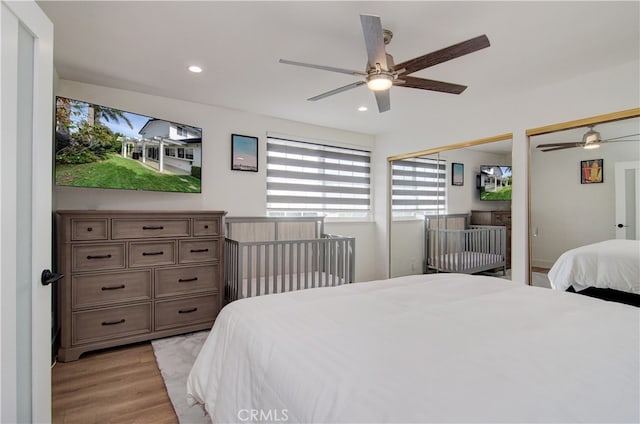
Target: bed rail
x: 254, y: 268
x: 472, y: 250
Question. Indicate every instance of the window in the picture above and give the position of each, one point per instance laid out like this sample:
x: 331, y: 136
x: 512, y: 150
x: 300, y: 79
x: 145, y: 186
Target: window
x: 188, y: 153
x: 152, y: 153
x: 181, y: 152
x: 418, y: 186
x: 307, y: 179
x: 170, y: 151
x: 181, y: 131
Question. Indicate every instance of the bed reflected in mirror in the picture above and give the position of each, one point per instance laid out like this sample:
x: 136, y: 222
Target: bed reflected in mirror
x: 584, y: 191
x: 435, y: 196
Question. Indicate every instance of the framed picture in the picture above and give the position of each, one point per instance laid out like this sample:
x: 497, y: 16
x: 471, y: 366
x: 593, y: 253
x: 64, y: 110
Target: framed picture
x: 457, y: 174
x: 244, y: 153
x: 591, y: 171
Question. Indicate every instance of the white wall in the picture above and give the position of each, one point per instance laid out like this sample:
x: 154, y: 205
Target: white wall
x: 614, y: 89
x: 565, y: 213
x: 463, y: 199
x: 238, y: 193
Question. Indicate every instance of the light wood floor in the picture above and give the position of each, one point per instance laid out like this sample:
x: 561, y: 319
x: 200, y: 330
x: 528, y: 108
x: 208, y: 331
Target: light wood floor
x: 120, y: 385
x: 539, y: 269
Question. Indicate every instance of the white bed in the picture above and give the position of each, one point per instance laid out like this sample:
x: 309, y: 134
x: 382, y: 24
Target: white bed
x: 610, y: 264
x: 427, y: 348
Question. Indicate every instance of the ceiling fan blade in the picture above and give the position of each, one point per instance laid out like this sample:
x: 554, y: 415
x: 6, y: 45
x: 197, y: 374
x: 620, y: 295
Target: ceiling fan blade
x: 374, y: 40
x: 573, y: 144
x: 566, y: 146
x: 427, y: 84
x: 337, y: 90
x: 324, y: 68
x: 383, y: 99
x: 442, y: 55
x: 618, y: 138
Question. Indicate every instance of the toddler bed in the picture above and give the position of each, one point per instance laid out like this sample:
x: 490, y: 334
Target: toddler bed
x: 277, y: 255
x: 452, y: 245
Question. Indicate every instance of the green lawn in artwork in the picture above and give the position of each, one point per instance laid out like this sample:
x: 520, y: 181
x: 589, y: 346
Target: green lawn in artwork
x: 502, y: 194
x: 118, y: 172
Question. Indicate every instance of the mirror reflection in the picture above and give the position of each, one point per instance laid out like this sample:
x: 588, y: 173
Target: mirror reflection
x: 451, y: 210
x: 584, y: 189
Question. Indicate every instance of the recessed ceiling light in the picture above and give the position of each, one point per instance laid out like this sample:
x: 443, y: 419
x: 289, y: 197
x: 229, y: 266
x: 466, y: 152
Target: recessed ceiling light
x: 195, y: 69
x: 362, y: 109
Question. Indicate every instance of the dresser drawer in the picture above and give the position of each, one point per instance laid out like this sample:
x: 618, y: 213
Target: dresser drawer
x: 502, y: 219
x: 194, y: 310
x: 152, y: 253
x: 149, y: 228
x: 207, y: 227
x: 185, y: 280
x: 88, y: 229
x: 101, y: 324
x: 90, y: 290
x: 91, y: 257
x: 198, y: 250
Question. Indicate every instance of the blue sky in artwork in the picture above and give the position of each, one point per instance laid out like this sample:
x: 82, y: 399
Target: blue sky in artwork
x: 506, y: 171
x: 80, y: 110
x: 244, y: 145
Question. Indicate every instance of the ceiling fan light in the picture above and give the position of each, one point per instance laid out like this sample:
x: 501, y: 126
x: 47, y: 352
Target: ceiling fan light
x: 591, y: 145
x: 591, y: 137
x: 379, y: 82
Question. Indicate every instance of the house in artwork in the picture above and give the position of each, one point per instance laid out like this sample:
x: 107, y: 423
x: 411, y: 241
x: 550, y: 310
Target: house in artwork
x: 494, y: 178
x: 170, y: 147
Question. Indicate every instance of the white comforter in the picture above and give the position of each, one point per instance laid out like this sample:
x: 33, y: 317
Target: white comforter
x: 611, y: 264
x: 439, y: 348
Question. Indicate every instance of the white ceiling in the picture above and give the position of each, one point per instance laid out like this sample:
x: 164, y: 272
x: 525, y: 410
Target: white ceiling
x: 146, y: 46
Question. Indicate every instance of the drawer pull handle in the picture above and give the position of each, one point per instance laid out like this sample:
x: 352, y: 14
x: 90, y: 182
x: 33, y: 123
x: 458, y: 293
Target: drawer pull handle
x: 186, y: 280
x: 99, y: 256
x: 152, y: 253
x: 113, y: 322
x: 121, y: 286
x: 153, y: 227
x: 187, y: 311
x: 89, y: 229
x: 199, y: 250
x: 206, y: 227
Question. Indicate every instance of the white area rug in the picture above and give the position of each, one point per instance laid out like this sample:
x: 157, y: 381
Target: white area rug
x: 175, y: 357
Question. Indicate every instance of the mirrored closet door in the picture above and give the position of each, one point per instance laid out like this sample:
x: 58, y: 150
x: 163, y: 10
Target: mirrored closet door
x: 434, y: 199
x: 584, y: 186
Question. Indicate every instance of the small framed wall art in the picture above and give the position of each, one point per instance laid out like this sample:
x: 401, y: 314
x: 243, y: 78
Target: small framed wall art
x: 591, y: 171
x: 244, y: 153
x: 457, y: 174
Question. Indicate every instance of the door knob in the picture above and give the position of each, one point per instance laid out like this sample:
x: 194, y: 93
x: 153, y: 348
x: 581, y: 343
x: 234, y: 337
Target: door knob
x: 47, y: 277
x: 621, y: 225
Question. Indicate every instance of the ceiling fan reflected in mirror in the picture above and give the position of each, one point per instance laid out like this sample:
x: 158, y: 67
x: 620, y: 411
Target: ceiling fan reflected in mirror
x: 590, y: 140
x: 381, y: 73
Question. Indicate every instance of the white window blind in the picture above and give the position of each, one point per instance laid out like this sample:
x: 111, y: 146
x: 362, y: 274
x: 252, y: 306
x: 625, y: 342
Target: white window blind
x: 307, y: 179
x: 418, y: 186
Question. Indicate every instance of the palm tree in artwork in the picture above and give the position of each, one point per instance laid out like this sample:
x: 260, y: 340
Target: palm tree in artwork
x: 108, y: 114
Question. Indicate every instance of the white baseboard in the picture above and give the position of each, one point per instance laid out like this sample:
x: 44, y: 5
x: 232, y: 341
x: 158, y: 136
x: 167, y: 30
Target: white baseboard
x: 542, y: 263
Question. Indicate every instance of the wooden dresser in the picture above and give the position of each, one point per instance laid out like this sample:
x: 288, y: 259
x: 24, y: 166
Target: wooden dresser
x: 502, y: 218
x: 131, y: 276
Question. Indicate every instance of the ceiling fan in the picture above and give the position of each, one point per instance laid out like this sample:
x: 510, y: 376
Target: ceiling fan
x: 590, y: 140
x: 381, y: 72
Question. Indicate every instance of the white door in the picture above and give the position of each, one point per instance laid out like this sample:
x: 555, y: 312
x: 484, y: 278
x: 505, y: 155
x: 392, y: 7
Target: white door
x: 26, y: 123
x: 627, y: 188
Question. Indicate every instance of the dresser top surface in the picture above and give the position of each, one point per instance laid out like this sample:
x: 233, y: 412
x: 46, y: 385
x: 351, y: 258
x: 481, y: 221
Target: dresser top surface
x: 96, y: 212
